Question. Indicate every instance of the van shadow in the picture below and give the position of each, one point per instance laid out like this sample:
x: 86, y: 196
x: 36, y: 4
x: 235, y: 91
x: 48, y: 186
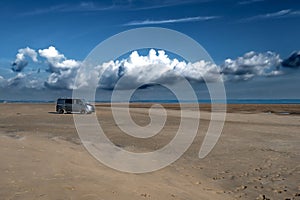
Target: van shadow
x: 55, y: 113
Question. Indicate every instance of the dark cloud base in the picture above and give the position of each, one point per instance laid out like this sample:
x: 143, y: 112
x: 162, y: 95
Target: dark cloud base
x: 293, y: 61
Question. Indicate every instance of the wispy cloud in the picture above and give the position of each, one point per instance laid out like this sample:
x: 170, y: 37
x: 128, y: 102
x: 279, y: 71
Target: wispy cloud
x: 294, y: 13
x: 82, y: 7
x: 169, y: 21
x: 155, y: 4
x: 90, y: 6
x: 249, y: 2
x: 275, y: 15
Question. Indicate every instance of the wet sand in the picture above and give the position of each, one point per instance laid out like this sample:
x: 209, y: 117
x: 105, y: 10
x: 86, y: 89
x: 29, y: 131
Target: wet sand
x: 256, y: 157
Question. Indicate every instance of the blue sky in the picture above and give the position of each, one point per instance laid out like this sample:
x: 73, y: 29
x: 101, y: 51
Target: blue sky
x: 225, y: 28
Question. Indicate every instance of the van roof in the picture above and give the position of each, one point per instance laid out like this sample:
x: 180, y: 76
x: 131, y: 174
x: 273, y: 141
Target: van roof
x: 68, y: 98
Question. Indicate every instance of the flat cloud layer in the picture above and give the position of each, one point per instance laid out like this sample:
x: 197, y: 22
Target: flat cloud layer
x: 2, y: 82
x: 137, y: 70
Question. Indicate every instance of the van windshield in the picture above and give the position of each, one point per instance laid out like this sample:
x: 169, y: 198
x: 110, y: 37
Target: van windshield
x: 60, y: 101
x: 78, y: 101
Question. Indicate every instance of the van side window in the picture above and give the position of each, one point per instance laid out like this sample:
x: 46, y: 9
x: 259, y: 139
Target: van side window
x: 68, y: 101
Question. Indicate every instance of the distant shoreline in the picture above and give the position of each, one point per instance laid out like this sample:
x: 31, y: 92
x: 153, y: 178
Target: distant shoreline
x: 278, y: 109
x: 228, y: 101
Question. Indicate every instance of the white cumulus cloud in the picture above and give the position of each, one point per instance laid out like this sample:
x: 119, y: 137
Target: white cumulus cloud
x: 63, y: 71
x: 252, y: 64
x: 20, y: 62
x: 56, y: 60
x: 156, y: 67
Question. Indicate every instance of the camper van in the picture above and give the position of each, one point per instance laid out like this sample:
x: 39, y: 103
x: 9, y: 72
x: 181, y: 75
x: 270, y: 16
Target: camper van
x: 69, y: 105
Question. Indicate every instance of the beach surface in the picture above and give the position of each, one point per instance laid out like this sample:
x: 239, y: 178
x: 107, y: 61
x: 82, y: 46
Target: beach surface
x: 256, y: 157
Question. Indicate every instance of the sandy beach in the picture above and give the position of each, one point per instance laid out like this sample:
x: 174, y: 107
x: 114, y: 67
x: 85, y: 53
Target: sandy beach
x: 256, y: 157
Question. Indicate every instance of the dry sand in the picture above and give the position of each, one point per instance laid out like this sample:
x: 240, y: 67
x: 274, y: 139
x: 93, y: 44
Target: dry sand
x: 256, y: 157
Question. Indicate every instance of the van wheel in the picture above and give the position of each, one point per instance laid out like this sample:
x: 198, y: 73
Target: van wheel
x: 61, y: 111
x: 83, y: 112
